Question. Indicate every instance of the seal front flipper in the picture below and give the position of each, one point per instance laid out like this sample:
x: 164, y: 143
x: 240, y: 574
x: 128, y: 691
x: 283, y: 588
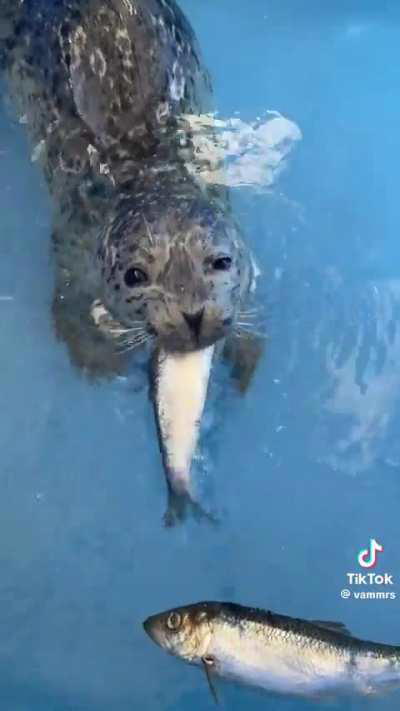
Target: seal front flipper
x: 243, y: 352
x: 89, y: 349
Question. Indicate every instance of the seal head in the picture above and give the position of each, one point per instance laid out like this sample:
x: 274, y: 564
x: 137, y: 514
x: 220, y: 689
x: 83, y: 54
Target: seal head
x: 106, y: 90
x: 175, y: 267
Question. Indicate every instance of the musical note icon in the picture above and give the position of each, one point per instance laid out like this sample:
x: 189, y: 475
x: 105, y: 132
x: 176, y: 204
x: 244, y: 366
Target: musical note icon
x: 368, y: 558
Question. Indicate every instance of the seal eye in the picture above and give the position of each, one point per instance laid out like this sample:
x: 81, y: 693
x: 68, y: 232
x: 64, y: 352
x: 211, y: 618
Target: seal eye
x: 135, y: 277
x: 222, y: 264
x: 174, y: 621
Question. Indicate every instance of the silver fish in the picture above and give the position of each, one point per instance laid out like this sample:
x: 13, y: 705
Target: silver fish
x: 274, y: 652
x: 180, y: 390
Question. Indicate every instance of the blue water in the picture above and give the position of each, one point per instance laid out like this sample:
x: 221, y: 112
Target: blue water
x: 303, y: 470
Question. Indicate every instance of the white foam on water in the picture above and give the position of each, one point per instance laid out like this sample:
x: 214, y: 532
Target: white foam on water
x: 235, y: 153
x: 370, y: 409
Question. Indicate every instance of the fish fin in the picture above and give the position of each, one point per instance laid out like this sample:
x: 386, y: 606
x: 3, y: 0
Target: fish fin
x: 177, y: 509
x: 207, y: 666
x: 333, y: 626
x: 180, y: 505
x: 243, y: 353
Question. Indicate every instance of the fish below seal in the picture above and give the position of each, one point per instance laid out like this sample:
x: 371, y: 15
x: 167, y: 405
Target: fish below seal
x: 274, y: 652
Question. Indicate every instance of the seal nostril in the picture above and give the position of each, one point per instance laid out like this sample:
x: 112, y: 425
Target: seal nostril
x: 194, y: 321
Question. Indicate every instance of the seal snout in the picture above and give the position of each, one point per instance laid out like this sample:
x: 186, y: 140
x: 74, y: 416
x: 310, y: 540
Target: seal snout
x: 194, y: 322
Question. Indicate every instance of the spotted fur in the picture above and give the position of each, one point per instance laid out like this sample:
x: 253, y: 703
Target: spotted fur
x: 103, y: 85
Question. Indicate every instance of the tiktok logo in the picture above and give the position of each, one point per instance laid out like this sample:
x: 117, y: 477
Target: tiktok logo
x: 368, y: 558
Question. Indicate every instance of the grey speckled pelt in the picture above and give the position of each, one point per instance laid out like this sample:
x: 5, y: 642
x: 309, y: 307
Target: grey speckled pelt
x: 104, y: 87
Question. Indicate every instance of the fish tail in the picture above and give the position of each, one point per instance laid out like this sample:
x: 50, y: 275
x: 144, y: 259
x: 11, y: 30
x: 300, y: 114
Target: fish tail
x: 182, y: 505
x: 177, y: 509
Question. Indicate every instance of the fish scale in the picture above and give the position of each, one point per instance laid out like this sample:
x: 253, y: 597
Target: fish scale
x: 274, y: 652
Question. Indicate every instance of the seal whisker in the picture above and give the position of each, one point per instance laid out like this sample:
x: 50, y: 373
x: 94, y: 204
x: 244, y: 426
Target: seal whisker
x: 245, y: 323
x: 248, y: 316
x: 245, y: 332
x: 254, y: 310
x: 135, y: 339
x: 149, y: 232
x: 135, y: 344
x: 253, y: 329
x: 139, y: 327
x: 130, y: 331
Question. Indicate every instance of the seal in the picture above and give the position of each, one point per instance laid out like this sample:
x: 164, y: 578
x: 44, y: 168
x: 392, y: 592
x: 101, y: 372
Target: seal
x: 145, y: 251
x: 104, y: 87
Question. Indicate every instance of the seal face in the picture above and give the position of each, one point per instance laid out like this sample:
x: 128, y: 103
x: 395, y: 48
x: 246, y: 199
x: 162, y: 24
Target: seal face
x: 176, y: 264
x: 105, y: 86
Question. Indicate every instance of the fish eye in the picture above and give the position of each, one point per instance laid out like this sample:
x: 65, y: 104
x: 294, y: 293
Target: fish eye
x: 135, y: 277
x: 222, y: 264
x: 174, y: 621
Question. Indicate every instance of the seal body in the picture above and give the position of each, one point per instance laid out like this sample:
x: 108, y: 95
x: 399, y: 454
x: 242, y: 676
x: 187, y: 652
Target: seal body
x: 105, y: 87
x: 145, y: 251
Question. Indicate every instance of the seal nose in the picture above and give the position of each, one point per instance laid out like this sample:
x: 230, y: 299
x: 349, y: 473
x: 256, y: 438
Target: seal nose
x: 194, y: 321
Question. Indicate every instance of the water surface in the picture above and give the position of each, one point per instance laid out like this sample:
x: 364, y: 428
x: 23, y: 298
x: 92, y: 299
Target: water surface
x: 302, y: 470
